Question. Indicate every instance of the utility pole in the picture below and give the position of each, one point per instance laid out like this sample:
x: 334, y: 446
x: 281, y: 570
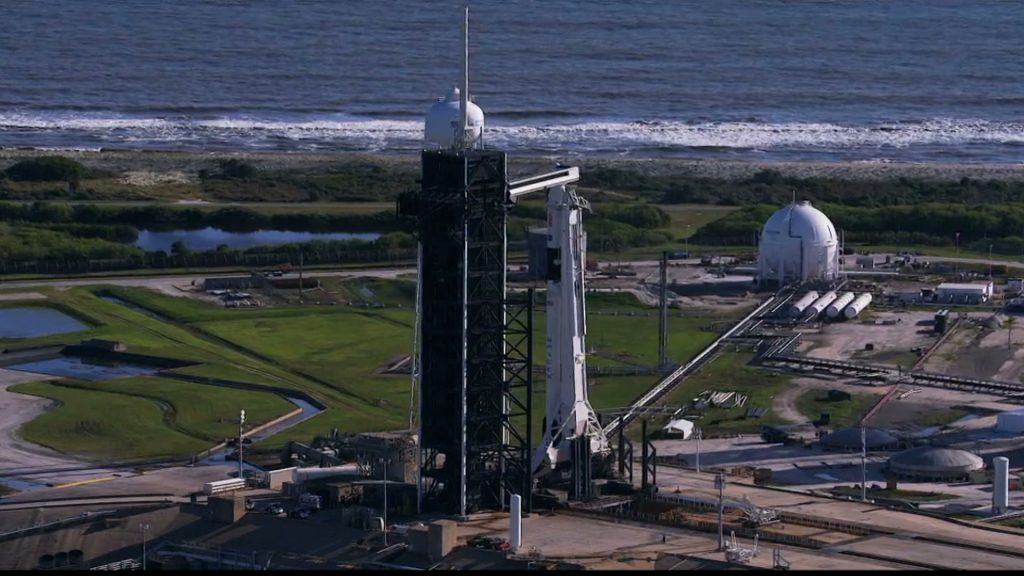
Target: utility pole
x: 384, y: 461
x: 720, y: 484
x: 663, y: 313
x: 863, y: 465
x: 698, y: 448
x: 956, y: 248
x: 241, y: 421
x: 144, y: 528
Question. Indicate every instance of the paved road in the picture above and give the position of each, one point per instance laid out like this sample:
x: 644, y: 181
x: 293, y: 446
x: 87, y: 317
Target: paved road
x: 158, y: 282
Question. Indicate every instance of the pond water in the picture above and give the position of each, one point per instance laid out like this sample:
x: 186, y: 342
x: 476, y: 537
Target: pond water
x: 35, y: 321
x: 211, y: 238
x: 84, y: 368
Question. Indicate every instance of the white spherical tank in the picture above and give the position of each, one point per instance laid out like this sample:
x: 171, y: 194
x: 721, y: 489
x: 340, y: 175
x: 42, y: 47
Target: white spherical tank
x: 442, y: 125
x: 798, y: 243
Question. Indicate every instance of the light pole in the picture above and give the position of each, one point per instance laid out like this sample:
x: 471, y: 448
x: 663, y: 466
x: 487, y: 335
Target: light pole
x: 384, y: 461
x: 241, y: 421
x: 720, y: 484
x: 698, y: 449
x: 863, y: 466
x: 956, y: 253
x: 144, y: 528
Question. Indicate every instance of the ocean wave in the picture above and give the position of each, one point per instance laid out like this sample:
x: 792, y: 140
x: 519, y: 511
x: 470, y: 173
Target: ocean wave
x: 349, y: 132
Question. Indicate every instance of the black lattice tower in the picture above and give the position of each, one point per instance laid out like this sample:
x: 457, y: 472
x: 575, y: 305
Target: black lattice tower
x: 475, y: 342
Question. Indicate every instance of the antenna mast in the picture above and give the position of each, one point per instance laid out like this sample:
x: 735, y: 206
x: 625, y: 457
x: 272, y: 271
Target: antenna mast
x: 463, y: 141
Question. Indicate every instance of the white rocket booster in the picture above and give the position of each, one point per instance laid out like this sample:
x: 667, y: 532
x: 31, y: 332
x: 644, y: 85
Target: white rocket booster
x: 569, y: 413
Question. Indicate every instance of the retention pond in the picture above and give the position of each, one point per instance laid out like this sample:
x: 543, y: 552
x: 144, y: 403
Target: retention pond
x: 36, y: 321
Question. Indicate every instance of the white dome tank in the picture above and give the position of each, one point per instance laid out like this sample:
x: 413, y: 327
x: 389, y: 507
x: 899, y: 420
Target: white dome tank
x: 442, y: 123
x: 798, y: 243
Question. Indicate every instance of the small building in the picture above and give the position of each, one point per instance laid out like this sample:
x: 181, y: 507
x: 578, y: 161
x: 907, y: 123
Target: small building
x: 1015, y: 285
x: 1012, y: 421
x: 104, y: 345
x: 679, y: 426
x: 229, y: 283
x: 957, y: 293
x: 866, y: 262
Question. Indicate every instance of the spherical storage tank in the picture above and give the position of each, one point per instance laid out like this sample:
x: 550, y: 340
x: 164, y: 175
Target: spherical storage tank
x: 442, y: 124
x: 798, y: 243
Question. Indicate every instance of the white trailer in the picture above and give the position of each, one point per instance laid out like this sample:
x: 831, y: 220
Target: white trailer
x: 800, y: 305
x: 837, y: 306
x: 226, y: 485
x: 859, y: 304
x: 820, y: 304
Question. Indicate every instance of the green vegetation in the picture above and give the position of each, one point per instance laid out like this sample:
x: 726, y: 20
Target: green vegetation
x: 897, y: 494
x: 941, y: 417
x: 143, y: 418
x: 104, y: 424
x: 998, y: 225
x: 730, y: 372
x: 332, y: 353
x: 842, y: 413
x: 46, y: 169
x: 1015, y: 522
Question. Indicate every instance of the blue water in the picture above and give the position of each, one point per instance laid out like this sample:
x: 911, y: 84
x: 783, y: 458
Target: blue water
x: 910, y: 80
x: 84, y: 369
x: 34, y: 321
x: 210, y: 238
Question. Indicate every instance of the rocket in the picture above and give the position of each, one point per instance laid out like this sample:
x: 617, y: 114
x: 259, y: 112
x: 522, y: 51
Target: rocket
x: 569, y: 413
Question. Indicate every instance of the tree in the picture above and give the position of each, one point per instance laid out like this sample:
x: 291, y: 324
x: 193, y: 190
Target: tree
x: 180, y: 249
x: 47, y: 169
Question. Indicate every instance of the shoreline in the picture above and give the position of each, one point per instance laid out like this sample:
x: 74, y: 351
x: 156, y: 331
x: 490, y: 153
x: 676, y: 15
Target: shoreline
x: 185, y: 164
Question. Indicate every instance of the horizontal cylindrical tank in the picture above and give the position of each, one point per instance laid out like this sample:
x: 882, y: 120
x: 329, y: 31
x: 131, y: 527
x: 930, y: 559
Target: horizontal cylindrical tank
x: 800, y: 305
x: 312, y: 473
x: 820, y: 304
x: 859, y: 303
x: 839, y: 303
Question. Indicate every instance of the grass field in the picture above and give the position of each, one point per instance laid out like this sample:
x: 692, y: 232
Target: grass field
x: 143, y: 417
x: 730, y: 372
x: 333, y: 353
x: 105, y: 425
x: 842, y: 413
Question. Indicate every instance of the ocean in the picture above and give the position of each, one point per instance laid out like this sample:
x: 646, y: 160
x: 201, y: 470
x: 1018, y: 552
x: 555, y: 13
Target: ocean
x: 837, y: 80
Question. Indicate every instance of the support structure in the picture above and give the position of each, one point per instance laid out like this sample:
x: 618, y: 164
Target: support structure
x: 663, y: 312
x: 474, y: 343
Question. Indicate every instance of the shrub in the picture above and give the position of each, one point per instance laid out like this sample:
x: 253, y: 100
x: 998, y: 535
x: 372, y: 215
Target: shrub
x: 46, y: 169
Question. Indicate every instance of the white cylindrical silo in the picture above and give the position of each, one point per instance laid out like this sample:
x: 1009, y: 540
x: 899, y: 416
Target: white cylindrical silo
x: 1001, y: 485
x: 820, y: 304
x: 839, y: 304
x: 859, y: 303
x: 800, y: 305
x: 515, y: 523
